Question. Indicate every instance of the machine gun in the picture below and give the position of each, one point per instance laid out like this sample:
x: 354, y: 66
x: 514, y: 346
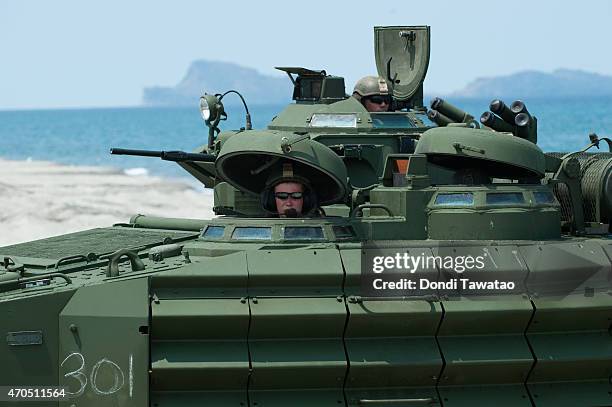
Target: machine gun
x: 200, y: 166
x: 176, y: 156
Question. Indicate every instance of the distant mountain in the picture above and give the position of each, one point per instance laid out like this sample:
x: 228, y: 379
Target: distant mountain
x: 530, y: 84
x: 218, y: 77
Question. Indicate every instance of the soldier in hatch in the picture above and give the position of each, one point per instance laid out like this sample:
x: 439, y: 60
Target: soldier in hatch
x: 373, y: 93
x: 289, y: 195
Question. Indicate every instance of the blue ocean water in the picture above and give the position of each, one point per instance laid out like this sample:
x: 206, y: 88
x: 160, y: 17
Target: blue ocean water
x: 84, y: 136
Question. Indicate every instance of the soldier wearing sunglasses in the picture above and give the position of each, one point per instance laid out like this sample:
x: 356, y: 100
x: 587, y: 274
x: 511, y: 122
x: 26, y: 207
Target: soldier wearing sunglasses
x: 373, y: 93
x: 288, y: 198
x: 288, y: 195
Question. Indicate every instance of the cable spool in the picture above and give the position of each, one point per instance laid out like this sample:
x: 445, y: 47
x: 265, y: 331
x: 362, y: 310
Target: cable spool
x: 596, y: 186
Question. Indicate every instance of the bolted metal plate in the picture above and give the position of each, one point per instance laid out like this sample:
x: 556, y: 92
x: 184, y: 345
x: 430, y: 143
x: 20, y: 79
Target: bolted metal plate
x: 22, y: 338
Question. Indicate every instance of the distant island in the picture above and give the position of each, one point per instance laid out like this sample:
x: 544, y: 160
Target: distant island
x: 259, y: 89
x: 562, y: 83
x: 217, y: 77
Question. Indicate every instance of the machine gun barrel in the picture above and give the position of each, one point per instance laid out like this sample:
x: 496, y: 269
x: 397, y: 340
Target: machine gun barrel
x: 166, y: 155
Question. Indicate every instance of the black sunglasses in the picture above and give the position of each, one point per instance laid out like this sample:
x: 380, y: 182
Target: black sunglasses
x: 285, y: 195
x: 379, y: 100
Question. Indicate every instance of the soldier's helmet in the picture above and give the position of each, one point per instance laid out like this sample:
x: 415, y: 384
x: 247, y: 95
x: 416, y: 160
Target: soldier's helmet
x: 370, y: 86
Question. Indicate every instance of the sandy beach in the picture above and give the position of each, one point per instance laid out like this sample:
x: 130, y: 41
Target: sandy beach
x: 42, y: 199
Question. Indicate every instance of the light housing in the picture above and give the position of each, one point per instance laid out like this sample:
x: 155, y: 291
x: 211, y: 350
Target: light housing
x: 210, y: 108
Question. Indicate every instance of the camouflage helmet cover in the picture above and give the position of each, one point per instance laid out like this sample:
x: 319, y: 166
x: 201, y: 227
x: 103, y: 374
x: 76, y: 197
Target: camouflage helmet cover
x: 369, y: 86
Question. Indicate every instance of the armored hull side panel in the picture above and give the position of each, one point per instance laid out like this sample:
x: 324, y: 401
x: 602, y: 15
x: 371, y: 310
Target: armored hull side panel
x: 274, y: 325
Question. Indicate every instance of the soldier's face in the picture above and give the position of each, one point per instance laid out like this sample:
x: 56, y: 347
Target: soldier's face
x: 285, y: 202
x: 376, y: 103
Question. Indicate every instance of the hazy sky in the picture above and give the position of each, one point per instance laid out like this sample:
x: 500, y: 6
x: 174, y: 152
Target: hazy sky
x: 64, y: 53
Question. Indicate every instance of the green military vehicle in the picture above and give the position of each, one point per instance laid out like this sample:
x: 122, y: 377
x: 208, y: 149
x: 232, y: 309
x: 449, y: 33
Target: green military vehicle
x: 451, y: 263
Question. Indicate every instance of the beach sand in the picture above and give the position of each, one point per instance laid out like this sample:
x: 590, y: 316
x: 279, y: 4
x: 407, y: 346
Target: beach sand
x: 41, y: 199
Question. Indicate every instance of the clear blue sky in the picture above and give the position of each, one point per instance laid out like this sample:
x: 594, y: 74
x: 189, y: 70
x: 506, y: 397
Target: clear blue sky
x: 70, y: 53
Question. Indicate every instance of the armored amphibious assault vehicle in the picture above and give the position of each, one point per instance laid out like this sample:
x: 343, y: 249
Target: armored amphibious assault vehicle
x: 453, y: 263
